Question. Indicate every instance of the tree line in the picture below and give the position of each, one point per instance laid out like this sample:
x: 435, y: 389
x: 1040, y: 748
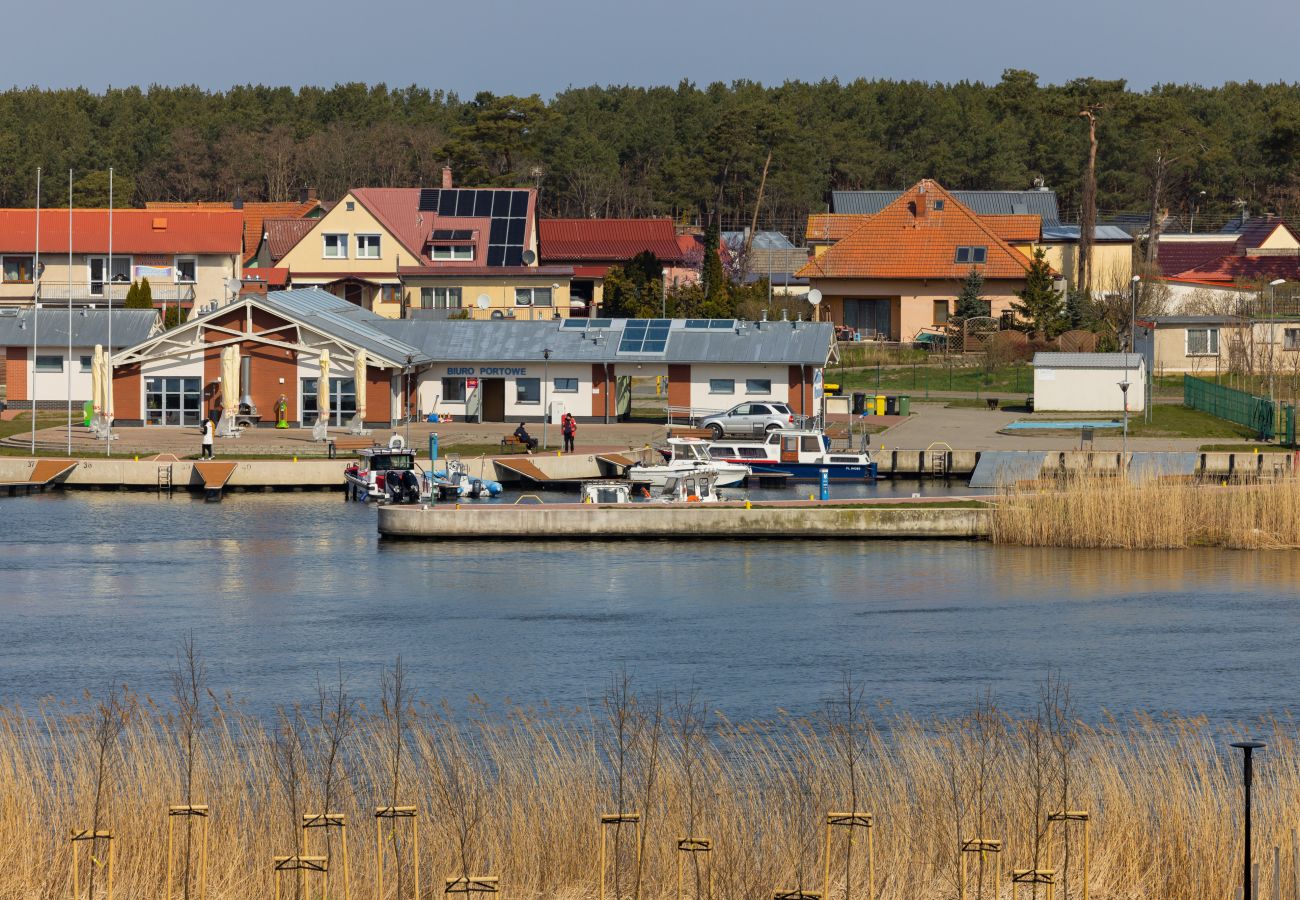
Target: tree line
x: 694, y: 152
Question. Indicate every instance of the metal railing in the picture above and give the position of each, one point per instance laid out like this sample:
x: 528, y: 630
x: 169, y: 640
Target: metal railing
x: 1256, y: 413
x: 99, y: 292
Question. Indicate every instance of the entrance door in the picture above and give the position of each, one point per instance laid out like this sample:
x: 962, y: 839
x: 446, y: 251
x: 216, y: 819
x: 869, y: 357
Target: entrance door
x: 353, y: 293
x: 494, y: 399
x: 343, y: 401
x: 869, y: 318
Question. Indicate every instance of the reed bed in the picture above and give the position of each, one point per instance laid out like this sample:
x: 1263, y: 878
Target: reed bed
x: 1150, y: 514
x: 518, y: 793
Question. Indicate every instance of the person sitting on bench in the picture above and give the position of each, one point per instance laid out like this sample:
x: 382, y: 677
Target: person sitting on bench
x: 525, y: 438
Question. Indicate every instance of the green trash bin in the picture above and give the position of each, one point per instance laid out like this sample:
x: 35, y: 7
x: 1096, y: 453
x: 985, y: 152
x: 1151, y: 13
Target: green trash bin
x: 87, y: 413
x: 904, y: 405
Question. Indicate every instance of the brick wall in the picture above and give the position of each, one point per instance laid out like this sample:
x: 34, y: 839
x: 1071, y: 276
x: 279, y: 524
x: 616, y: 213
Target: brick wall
x: 379, y: 396
x: 127, y: 394
x: 16, y: 373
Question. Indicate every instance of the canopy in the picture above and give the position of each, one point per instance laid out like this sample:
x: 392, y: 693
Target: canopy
x: 359, y: 361
x: 323, y: 388
x: 97, y: 380
x: 230, y: 380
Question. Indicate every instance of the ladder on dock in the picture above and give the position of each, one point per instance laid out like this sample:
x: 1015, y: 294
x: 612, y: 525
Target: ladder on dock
x: 939, y: 454
x: 165, y: 480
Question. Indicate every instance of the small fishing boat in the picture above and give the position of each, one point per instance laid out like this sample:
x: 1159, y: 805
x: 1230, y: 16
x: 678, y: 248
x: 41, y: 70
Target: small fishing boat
x: 387, y: 474
x: 685, y: 487
x: 464, y: 484
x: 801, y: 454
x: 689, y: 455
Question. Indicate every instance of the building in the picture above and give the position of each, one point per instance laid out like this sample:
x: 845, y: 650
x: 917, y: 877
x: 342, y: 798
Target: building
x: 594, y: 246
x: 899, y: 272
x: 1089, y: 382
x: 188, y: 256
x: 1258, y: 249
x: 48, y: 373
x: 256, y: 214
x: 480, y: 370
x: 1040, y: 202
x: 772, y: 257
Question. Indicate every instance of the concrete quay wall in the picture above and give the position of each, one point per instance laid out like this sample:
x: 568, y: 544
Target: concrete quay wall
x: 578, y: 522
x: 315, y: 474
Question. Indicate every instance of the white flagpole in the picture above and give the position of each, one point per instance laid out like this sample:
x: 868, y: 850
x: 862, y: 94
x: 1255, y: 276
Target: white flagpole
x: 36, y: 303
x: 69, y: 378
x: 108, y: 388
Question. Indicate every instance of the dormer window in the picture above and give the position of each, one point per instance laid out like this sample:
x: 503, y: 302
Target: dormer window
x: 974, y: 256
x: 459, y: 252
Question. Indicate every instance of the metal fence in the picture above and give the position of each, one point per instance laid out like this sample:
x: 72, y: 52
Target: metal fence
x: 1256, y: 413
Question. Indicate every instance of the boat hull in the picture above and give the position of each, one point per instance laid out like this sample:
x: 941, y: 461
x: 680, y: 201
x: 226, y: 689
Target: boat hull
x: 836, y: 472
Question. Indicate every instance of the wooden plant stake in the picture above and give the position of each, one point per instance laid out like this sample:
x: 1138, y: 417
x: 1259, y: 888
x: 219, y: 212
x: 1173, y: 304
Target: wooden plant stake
x: 850, y: 820
x: 392, y: 814
x: 301, y: 865
x: 694, y: 845
x: 980, y: 846
x: 80, y: 835
x: 616, y: 820
x: 188, y: 812
x: 326, y: 821
x: 1062, y: 821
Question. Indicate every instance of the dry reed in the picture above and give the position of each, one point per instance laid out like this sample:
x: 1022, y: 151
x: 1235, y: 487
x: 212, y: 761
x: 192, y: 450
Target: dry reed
x: 1163, y: 795
x: 1150, y: 514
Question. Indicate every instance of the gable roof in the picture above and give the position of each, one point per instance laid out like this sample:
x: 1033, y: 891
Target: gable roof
x: 1230, y: 269
x: 831, y: 227
x: 911, y: 239
x: 89, y: 327
x: 139, y: 231
x: 282, y: 235
x: 1041, y: 203
x: 763, y: 240
x: 255, y: 214
x: 607, y: 240
x: 1179, y: 256
x: 398, y: 211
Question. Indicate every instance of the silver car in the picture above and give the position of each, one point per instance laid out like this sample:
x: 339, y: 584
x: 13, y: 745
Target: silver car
x: 750, y: 419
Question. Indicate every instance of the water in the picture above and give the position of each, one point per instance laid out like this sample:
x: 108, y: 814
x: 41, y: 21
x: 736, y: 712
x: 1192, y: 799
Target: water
x: 97, y: 589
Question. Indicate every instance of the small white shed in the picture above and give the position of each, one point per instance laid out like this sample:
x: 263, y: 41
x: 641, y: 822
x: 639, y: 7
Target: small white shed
x: 1088, y: 382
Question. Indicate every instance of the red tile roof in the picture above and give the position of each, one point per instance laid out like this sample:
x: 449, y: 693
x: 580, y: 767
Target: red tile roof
x: 1179, y: 256
x: 272, y: 277
x: 824, y: 227
x: 141, y: 231
x: 1230, y: 269
x: 910, y: 239
x: 255, y: 215
x: 283, y: 234
x: 1257, y: 230
x: 607, y: 240
x: 398, y: 210
x: 1018, y: 228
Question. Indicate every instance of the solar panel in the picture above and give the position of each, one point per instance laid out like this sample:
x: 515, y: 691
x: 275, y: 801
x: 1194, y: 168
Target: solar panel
x: 697, y: 323
x: 429, y: 199
x: 441, y: 234
x: 645, y: 336
x: 575, y: 323
x: 508, y: 210
x: 463, y: 235
x: 721, y: 324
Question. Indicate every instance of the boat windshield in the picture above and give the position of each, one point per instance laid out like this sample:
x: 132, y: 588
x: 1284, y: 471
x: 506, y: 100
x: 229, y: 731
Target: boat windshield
x: 401, y: 462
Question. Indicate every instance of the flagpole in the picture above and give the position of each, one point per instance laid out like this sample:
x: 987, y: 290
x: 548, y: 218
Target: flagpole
x: 69, y: 378
x: 108, y: 387
x: 36, y: 302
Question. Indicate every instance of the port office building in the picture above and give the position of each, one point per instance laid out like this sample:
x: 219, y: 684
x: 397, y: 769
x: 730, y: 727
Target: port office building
x: 462, y: 370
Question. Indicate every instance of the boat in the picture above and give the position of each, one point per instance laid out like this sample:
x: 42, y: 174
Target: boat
x: 799, y: 453
x: 466, y: 485
x: 388, y: 474
x: 689, y: 455
x: 685, y: 487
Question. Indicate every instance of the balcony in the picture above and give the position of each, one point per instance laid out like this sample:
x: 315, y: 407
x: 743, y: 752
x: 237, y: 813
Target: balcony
x: 98, y: 293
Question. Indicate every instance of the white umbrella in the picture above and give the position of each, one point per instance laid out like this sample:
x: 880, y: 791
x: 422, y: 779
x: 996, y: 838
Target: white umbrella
x: 230, y: 381
x: 359, y: 361
x: 97, y: 380
x: 107, y: 363
x: 323, y: 389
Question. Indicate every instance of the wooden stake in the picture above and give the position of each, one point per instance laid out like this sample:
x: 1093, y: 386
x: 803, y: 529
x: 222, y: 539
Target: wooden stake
x: 393, y: 813
x: 617, y: 819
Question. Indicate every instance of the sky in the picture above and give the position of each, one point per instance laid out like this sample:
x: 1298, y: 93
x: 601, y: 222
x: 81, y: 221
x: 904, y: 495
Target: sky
x: 542, y: 47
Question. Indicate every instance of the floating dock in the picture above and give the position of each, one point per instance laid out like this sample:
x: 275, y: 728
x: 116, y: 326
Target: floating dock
x: 784, y: 520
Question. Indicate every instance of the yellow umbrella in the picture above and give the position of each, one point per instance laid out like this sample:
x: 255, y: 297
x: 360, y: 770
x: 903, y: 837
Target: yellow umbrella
x: 230, y: 380
x: 97, y: 379
x: 108, y: 387
x: 359, y: 361
x: 323, y: 388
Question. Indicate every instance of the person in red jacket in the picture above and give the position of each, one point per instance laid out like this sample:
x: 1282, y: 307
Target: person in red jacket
x: 569, y: 426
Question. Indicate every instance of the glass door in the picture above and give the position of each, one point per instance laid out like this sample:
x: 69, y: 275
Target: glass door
x: 343, y: 401
x: 172, y: 401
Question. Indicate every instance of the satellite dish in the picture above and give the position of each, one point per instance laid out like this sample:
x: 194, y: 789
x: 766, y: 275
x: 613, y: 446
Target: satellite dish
x: 529, y: 257
x: 234, y: 285
x: 483, y: 301
x: 814, y: 296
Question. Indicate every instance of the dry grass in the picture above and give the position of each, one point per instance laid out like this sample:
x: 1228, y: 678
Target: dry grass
x: 1152, y: 515
x: 518, y: 794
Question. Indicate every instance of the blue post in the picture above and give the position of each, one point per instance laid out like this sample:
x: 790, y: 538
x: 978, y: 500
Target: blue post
x: 433, y: 449
x: 825, y: 484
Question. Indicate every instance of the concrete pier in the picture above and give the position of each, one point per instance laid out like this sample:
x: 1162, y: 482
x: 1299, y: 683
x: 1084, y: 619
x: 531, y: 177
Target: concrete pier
x: 784, y: 520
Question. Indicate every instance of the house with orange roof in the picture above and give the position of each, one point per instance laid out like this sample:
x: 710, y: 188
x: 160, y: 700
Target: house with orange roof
x: 255, y: 215
x: 900, y: 270
x: 431, y: 252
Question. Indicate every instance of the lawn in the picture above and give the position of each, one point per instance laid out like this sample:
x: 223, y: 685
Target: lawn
x: 1167, y: 420
x: 918, y: 379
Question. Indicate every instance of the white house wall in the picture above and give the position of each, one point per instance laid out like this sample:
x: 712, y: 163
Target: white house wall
x: 1087, y: 390
x: 702, y: 396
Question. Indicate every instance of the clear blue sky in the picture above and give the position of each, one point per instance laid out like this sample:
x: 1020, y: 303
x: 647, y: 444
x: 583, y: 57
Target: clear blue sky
x: 510, y: 46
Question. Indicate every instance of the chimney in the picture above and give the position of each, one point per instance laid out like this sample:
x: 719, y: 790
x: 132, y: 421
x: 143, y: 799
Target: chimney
x: 922, y: 204
x: 446, y: 177
x: 306, y: 195
x: 238, y: 203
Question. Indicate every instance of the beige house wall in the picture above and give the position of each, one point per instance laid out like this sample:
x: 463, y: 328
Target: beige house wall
x: 1280, y: 239
x: 914, y: 301
x: 1111, y: 264
x: 211, y: 272
x: 1171, y: 351
x: 500, y: 292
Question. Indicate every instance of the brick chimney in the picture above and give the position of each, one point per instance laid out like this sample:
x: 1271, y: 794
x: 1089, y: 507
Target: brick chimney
x: 446, y: 176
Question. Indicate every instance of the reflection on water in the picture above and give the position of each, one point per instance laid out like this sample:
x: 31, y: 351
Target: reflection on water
x: 98, y: 588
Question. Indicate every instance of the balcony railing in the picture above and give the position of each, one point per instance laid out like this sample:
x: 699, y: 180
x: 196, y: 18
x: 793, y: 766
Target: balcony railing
x: 85, y: 293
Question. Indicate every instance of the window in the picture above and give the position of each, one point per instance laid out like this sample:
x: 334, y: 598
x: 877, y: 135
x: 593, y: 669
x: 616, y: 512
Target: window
x: 367, y: 246
x: 453, y: 251
x: 336, y: 246
x: 532, y: 296
x: 85, y: 364
x: 187, y: 268
x: 565, y: 386
x: 1202, y: 342
x: 453, y: 390
x: 351, y: 206
x: 972, y: 255
x: 18, y: 269
x: 390, y: 293
x: 940, y: 311
x: 810, y: 443
x: 723, y: 386
x: 938, y: 205
x: 49, y: 363
x: 343, y: 401
x: 758, y: 385
x: 1291, y: 338
x: 172, y: 401
x: 98, y: 266
x: 440, y: 298
x: 528, y: 390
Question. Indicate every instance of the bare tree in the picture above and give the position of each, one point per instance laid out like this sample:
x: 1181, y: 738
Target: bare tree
x: 1062, y: 727
x: 458, y: 789
x: 1088, y: 212
x: 189, y: 685
x: 395, y: 703
x: 334, y: 721
x: 290, y: 756
x: 849, y: 723
x: 111, y: 715
x: 689, y: 723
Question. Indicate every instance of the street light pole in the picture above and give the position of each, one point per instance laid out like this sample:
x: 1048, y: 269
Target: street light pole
x: 407, y: 379
x: 1272, y: 333
x: 1248, y: 773
x: 546, y: 394
x: 1123, y: 387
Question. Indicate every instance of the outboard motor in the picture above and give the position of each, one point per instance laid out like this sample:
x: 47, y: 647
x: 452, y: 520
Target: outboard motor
x: 402, y: 487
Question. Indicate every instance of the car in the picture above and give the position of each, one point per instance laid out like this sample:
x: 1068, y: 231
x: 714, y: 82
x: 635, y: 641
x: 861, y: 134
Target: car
x: 750, y: 419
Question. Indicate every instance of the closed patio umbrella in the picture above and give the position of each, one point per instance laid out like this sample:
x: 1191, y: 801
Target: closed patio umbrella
x: 323, y: 389
x: 97, y: 380
x: 359, y: 362
x: 230, y: 382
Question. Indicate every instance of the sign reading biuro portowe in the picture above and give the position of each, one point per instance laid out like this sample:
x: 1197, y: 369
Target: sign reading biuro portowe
x: 487, y: 371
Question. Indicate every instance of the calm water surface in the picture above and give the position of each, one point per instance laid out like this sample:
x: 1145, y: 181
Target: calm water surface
x: 279, y: 589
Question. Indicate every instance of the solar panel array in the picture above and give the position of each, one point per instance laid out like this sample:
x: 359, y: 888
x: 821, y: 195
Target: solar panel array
x: 443, y: 234
x: 712, y: 324
x: 587, y: 324
x: 508, y: 211
x: 645, y: 336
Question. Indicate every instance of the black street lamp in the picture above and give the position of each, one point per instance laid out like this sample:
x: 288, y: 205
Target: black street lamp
x: 1247, y: 748
x: 546, y: 394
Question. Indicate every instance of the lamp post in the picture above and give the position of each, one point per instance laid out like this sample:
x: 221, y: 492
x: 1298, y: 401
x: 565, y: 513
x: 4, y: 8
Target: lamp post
x: 1124, y: 386
x: 1272, y: 336
x: 1196, y: 203
x: 1132, y: 311
x: 407, y: 379
x: 1248, y: 773
x: 546, y: 394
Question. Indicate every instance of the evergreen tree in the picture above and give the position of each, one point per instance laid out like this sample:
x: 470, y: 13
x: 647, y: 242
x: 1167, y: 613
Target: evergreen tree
x: 969, y: 301
x: 712, y: 278
x: 1076, y: 309
x: 1040, y: 303
x: 146, y: 294
x: 134, y: 300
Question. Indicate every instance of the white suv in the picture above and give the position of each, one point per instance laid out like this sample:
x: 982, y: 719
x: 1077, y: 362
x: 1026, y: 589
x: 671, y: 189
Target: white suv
x: 750, y: 419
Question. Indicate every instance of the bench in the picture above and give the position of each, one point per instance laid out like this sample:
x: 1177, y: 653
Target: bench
x: 509, y: 442
x: 348, y: 443
x: 702, y: 433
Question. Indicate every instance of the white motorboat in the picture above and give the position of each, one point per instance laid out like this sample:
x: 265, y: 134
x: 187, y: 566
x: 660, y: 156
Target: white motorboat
x: 800, y: 454
x: 687, y: 455
x: 387, y: 474
x: 685, y: 487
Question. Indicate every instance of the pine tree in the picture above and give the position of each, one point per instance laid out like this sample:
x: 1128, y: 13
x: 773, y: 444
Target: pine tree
x: 969, y: 301
x: 1040, y: 302
x: 1076, y: 309
x: 711, y: 275
x: 133, y: 298
x: 146, y: 294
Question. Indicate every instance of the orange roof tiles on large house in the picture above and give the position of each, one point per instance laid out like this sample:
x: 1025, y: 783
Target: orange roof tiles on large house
x: 827, y: 228
x: 916, y: 237
x: 255, y: 216
x: 135, y: 231
x: 607, y: 240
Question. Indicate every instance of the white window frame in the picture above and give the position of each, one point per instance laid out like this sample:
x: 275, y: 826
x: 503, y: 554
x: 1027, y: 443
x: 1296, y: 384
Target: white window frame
x: 715, y: 386
x: 519, y: 383
x: 532, y: 293
x: 464, y: 389
x: 108, y: 271
x: 456, y: 252
x: 342, y: 241
x: 176, y: 270
x: 1294, y: 342
x: 556, y: 389
x: 1211, y: 342
x: 87, y: 363
x: 363, y: 246
x: 749, y: 390
x: 441, y: 297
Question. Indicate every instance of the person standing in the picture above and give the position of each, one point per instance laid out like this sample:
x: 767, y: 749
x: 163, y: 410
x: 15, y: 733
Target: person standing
x: 206, y: 451
x: 569, y: 426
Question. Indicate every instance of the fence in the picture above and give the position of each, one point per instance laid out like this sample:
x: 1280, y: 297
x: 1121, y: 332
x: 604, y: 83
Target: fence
x: 1256, y: 413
